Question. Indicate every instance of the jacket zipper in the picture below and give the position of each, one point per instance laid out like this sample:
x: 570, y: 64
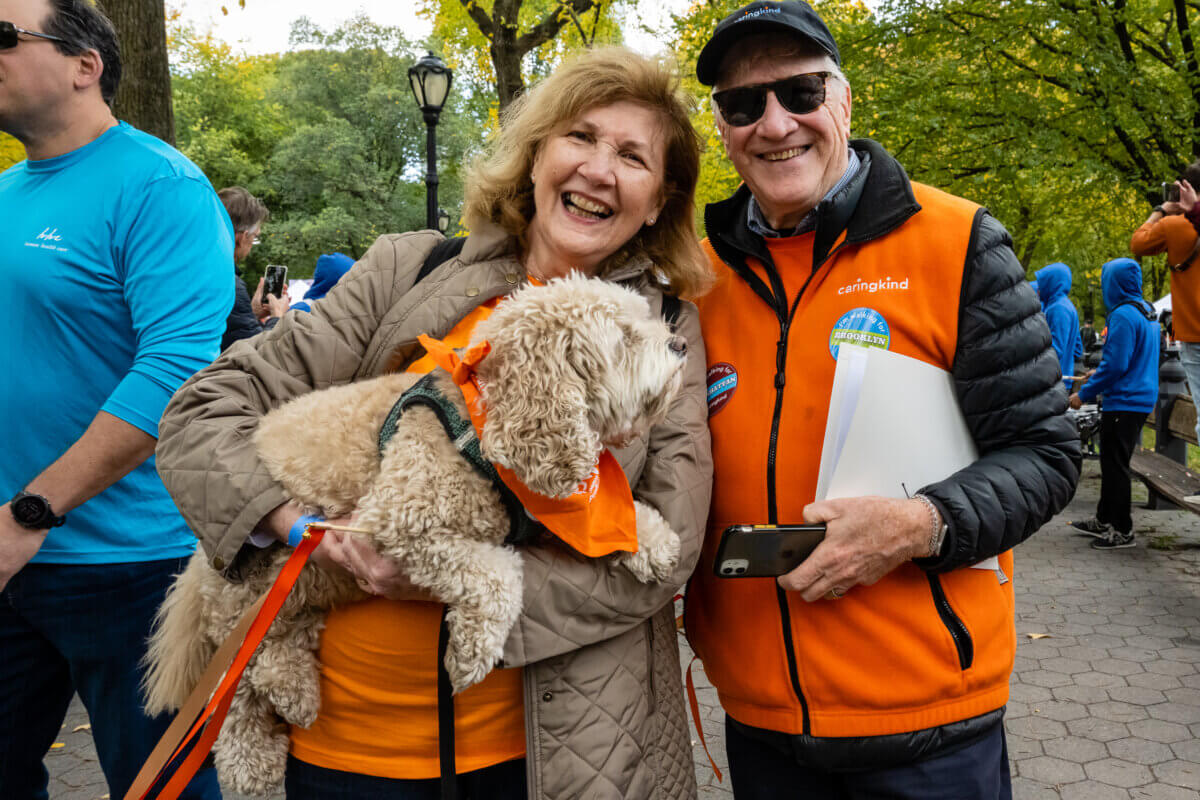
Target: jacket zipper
x: 785, y: 323
x: 773, y: 517
x: 958, y: 631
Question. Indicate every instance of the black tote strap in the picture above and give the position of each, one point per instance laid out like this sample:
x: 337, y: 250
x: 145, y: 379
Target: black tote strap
x: 671, y: 306
x: 445, y: 704
x: 442, y: 252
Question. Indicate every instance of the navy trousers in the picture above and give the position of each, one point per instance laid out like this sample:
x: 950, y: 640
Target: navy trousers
x: 66, y: 629
x: 976, y: 771
x: 309, y: 782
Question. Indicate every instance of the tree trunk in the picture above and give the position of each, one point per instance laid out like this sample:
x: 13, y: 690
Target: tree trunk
x: 144, y: 96
x: 507, y: 63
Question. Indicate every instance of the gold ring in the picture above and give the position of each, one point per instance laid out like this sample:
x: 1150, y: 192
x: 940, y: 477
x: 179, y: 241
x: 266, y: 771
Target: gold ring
x: 836, y: 593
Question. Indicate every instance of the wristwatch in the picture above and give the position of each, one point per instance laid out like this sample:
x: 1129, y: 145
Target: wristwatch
x: 33, y: 511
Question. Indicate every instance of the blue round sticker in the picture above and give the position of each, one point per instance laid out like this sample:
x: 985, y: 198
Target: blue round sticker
x: 865, y: 327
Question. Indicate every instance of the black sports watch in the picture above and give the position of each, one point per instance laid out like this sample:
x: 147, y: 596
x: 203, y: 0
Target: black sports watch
x: 33, y: 511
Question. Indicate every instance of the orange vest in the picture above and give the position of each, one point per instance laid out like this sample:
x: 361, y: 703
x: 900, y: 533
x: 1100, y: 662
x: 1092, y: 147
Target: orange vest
x: 379, y: 682
x: 884, y: 659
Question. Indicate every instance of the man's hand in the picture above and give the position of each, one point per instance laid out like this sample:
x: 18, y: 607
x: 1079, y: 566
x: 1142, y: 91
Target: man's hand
x: 262, y: 307
x: 17, y: 545
x: 1187, y: 196
x: 1075, y: 401
x: 865, y: 539
x: 276, y: 307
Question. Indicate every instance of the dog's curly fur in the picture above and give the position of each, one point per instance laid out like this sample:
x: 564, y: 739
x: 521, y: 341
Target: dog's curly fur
x: 574, y: 364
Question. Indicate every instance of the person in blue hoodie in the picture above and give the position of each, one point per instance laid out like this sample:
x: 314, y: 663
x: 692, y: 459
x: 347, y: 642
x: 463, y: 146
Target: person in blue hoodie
x: 330, y: 269
x: 1127, y: 377
x: 1053, y: 285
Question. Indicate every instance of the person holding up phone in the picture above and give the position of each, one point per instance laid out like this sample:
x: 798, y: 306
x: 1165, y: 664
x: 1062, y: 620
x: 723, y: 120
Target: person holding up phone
x: 878, y: 667
x: 249, y: 316
x: 1170, y: 229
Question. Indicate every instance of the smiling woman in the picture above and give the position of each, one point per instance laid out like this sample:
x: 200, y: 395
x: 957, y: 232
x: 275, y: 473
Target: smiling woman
x: 594, y: 170
x: 596, y: 165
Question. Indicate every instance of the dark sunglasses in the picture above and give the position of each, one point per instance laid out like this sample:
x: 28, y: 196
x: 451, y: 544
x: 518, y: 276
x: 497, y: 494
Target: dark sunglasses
x: 799, y: 94
x: 9, y: 38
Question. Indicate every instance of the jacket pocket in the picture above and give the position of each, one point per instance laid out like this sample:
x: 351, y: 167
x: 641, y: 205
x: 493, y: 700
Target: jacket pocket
x: 953, y: 624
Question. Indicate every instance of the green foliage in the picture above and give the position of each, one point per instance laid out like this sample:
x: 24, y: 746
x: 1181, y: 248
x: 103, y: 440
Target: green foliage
x: 327, y: 135
x: 11, y: 151
x: 509, y: 43
x: 225, y: 118
x: 1062, y: 116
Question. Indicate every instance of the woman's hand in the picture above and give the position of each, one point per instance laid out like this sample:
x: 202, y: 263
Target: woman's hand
x: 374, y: 573
x: 340, y: 551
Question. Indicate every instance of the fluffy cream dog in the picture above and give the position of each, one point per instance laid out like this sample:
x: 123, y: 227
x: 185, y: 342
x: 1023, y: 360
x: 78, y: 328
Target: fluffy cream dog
x: 574, y: 364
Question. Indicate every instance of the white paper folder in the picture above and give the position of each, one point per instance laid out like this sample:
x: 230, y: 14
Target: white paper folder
x: 894, y: 426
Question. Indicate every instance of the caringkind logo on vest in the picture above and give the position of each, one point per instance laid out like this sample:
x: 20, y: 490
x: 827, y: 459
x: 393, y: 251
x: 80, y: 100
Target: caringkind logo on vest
x: 871, y: 287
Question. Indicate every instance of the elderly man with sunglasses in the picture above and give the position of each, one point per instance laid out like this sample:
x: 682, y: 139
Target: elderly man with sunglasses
x: 879, y: 666
x: 114, y: 257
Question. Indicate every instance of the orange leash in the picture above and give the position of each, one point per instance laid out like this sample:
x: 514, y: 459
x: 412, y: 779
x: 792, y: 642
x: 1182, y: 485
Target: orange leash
x: 691, y: 693
x: 230, y: 660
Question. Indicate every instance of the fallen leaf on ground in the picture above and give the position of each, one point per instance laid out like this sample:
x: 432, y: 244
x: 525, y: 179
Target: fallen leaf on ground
x: 1038, y: 635
x: 57, y: 745
x: 79, y: 728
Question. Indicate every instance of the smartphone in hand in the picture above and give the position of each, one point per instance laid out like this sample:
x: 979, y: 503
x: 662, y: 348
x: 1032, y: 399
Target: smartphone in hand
x: 765, y: 551
x: 274, y: 279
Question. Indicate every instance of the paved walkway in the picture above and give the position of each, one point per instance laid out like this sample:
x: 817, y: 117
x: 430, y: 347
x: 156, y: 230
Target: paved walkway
x: 1106, y: 707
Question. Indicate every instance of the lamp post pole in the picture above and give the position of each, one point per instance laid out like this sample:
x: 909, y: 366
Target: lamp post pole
x: 430, y: 81
x: 431, y: 176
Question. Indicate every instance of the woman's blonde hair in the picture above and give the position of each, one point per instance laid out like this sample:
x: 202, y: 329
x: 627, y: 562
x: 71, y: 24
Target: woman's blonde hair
x: 499, y: 188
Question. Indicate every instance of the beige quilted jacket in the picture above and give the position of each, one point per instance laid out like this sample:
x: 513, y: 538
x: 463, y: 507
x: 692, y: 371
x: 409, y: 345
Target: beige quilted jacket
x: 603, y: 701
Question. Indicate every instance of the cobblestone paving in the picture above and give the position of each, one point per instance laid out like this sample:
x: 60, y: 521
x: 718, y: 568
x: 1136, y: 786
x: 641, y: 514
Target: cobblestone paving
x: 1106, y: 707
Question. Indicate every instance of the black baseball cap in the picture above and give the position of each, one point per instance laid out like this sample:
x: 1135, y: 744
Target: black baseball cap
x: 790, y: 16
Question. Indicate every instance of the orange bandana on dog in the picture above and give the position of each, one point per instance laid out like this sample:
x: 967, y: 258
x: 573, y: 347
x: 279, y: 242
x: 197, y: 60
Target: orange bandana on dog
x: 598, y: 518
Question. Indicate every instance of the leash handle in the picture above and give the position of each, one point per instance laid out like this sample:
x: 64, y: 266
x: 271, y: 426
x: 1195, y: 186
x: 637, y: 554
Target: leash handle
x: 204, y: 705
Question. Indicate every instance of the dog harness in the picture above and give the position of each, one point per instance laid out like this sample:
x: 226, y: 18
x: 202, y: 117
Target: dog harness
x: 521, y: 527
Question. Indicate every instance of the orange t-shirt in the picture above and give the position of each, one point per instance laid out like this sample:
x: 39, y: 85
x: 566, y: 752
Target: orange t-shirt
x: 379, y: 683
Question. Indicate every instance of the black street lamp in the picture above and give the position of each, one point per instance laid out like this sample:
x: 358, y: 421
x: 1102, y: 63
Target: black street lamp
x: 430, y: 81
x: 443, y: 220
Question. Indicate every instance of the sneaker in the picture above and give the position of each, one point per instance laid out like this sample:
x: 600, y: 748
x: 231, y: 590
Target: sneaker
x: 1115, y: 541
x: 1093, y: 527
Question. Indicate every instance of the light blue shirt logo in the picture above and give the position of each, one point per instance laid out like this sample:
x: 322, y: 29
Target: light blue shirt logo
x: 865, y: 327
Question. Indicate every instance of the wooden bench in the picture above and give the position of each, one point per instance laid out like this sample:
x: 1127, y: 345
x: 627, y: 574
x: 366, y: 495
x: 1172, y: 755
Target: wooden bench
x: 1164, y: 470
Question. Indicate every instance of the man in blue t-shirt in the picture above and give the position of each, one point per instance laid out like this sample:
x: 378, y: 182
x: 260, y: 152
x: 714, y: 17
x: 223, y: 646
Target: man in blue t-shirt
x: 114, y: 259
